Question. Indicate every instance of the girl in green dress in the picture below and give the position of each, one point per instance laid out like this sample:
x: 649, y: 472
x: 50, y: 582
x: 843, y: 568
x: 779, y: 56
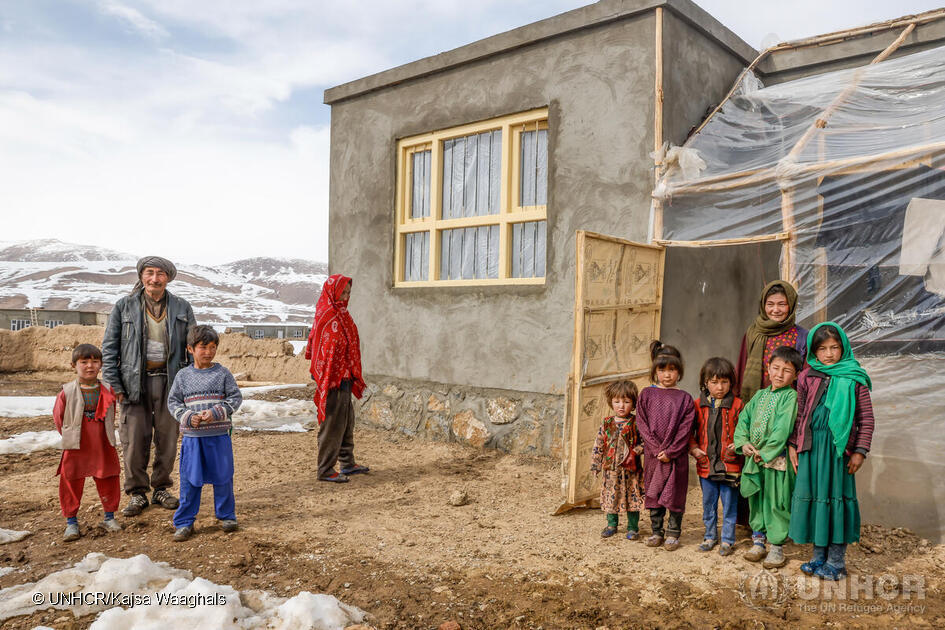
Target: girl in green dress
x: 830, y: 440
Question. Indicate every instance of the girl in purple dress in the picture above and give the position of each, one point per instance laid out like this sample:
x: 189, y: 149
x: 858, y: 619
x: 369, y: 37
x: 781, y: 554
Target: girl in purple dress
x: 665, y: 416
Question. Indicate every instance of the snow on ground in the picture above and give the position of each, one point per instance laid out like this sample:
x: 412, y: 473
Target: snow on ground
x: 5, y: 570
x: 259, y: 389
x: 298, y: 347
x: 26, y: 406
x: 12, y: 535
x: 30, y: 441
x: 264, y: 415
x: 156, y: 595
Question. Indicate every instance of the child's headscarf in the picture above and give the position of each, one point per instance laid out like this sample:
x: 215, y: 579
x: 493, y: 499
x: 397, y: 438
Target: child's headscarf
x: 758, y: 333
x: 840, y: 398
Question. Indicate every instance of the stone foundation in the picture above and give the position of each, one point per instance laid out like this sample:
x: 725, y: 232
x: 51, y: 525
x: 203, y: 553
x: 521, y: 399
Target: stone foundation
x: 510, y: 421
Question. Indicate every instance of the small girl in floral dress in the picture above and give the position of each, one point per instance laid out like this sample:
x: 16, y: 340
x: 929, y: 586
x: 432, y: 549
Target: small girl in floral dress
x: 617, y: 454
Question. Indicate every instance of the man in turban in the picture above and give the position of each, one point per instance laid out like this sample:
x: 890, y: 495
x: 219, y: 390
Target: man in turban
x: 145, y: 345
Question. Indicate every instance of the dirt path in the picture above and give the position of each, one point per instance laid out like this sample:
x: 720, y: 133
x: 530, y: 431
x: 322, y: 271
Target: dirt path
x: 391, y: 543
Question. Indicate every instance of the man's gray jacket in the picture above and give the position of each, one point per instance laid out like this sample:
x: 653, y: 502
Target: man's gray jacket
x: 123, y: 355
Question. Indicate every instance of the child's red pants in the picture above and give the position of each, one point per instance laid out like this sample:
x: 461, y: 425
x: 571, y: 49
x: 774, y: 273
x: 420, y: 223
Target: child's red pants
x: 70, y: 493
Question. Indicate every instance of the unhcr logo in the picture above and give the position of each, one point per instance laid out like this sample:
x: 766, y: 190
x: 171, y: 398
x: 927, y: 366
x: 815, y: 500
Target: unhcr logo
x: 763, y: 590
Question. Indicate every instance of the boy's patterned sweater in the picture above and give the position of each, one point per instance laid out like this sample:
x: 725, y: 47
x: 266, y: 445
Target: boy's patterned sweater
x: 197, y: 390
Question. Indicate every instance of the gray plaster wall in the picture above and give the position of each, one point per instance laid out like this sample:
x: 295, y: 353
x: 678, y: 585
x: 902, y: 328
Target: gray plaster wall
x: 710, y: 296
x: 598, y: 86
x: 697, y: 74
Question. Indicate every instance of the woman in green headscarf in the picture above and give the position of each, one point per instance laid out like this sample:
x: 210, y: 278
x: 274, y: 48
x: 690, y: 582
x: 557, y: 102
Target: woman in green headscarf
x: 772, y: 328
x: 831, y: 437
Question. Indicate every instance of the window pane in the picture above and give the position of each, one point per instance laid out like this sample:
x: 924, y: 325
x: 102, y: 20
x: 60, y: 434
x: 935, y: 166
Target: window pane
x: 471, y: 175
x: 416, y: 256
x: 420, y: 196
x: 447, y: 179
x: 534, y: 168
x: 529, y: 248
x: 470, y: 253
x: 493, y: 267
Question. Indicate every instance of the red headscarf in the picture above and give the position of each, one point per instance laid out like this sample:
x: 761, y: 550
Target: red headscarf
x: 333, y: 345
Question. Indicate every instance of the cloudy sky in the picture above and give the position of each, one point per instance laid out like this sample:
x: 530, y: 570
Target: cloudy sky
x: 196, y: 129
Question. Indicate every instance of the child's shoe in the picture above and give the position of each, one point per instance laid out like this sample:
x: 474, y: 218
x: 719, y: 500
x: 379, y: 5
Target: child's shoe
x: 183, y: 533
x: 632, y: 535
x: 229, y: 525
x: 671, y: 544
x: 830, y: 572
x: 654, y: 541
x: 726, y: 549
x: 72, y: 532
x: 775, y: 558
x: 608, y: 531
x: 111, y: 525
x: 810, y: 568
x: 756, y: 553
x: 708, y: 544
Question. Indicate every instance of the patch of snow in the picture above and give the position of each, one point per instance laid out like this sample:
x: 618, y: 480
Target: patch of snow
x: 12, y: 535
x: 26, y: 406
x: 6, y: 570
x: 298, y: 347
x: 30, y: 441
x: 155, y: 595
x: 265, y: 415
x: 259, y: 389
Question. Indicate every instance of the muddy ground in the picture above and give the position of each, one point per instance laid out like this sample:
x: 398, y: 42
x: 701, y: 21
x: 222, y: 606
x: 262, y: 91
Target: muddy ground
x: 391, y: 543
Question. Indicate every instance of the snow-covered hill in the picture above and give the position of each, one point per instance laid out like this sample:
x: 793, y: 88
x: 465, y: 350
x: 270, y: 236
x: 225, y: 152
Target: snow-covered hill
x: 53, y: 274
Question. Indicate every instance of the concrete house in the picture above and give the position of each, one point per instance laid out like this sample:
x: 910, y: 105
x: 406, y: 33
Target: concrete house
x: 495, y: 206
x: 457, y: 185
x: 20, y: 318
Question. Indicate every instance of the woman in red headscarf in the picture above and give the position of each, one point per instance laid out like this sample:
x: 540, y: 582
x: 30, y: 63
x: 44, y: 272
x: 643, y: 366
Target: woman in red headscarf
x: 335, y: 352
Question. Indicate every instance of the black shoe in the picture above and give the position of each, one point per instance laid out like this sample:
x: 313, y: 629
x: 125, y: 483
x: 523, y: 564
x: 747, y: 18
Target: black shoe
x: 136, y: 505
x: 165, y: 499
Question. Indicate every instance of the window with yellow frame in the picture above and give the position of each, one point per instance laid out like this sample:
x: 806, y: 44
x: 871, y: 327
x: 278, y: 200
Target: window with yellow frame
x: 472, y: 204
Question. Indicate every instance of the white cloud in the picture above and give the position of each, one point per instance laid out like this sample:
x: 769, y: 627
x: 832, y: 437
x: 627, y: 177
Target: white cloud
x: 135, y: 19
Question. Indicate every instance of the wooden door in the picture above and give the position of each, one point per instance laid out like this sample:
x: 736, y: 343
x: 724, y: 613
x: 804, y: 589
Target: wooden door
x: 618, y: 297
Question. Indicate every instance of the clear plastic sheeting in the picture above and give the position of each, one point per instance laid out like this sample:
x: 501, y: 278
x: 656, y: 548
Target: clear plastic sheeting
x: 534, y: 182
x: 851, y: 165
x: 472, y: 168
x: 529, y: 247
x: 420, y: 197
x: 469, y: 253
x: 416, y: 256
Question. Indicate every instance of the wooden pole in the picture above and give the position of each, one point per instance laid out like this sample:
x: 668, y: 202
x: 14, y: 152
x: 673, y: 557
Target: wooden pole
x: 741, y: 179
x: 839, y: 36
x: 841, y: 98
x: 657, y: 227
x: 789, y: 248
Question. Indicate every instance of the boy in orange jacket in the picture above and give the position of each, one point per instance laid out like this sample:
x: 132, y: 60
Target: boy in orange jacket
x: 718, y: 466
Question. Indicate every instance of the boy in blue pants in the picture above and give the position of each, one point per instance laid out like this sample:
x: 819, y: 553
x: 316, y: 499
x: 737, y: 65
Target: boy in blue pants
x: 203, y: 398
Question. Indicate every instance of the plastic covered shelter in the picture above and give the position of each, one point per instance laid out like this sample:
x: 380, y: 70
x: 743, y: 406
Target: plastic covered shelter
x: 846, y: 169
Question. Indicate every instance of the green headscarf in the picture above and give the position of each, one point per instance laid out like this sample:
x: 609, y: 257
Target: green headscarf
x: 840, y: 398
x: 757, y: 335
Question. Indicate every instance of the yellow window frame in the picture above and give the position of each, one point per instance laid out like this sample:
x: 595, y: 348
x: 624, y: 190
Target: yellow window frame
x: 510, y: 212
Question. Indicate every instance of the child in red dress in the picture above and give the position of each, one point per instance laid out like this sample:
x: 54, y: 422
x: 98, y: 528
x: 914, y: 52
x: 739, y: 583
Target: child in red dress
x: 84, y: 414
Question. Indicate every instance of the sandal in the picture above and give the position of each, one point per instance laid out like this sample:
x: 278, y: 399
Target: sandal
x: 632, y: 535
x: 654, y: 541
x: 608, y: 531
x: 726, y: 549
x: 355, y: 470
x: 708, y: 544
x: 671, y: 544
